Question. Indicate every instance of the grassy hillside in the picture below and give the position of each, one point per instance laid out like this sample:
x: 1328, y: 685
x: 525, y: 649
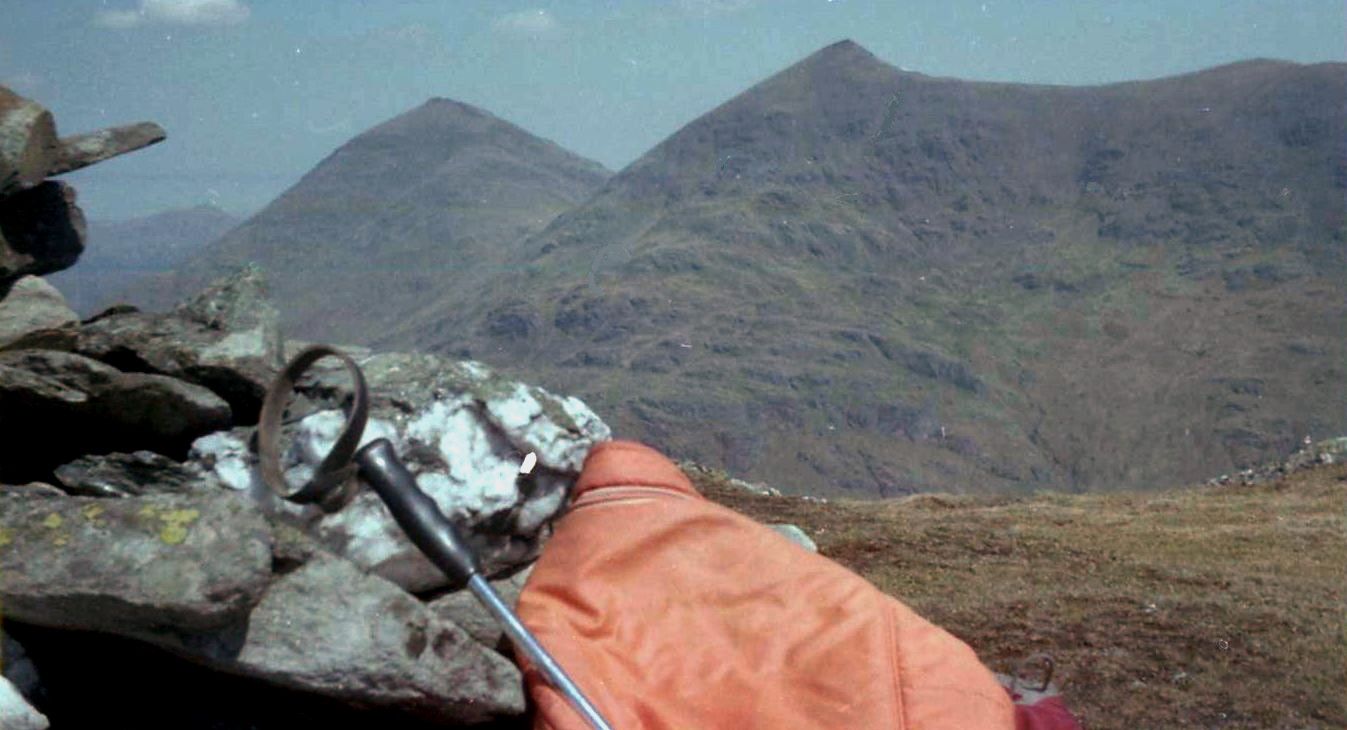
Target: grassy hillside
x: 1214, y: 607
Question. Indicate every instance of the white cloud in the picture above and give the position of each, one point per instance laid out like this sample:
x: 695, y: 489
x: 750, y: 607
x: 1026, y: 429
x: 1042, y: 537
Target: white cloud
x: 715, y: 7
x: 176, y: 12
x: 535, y: 22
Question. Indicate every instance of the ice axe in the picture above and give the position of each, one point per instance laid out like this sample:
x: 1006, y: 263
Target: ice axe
x: 333, y: 485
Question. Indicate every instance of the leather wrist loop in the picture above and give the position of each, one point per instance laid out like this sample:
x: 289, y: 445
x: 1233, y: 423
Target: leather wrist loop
x: 333, y: 483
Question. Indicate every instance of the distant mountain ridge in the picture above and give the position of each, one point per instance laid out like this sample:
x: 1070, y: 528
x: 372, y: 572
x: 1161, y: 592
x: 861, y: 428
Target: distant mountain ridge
x: 426, y: 200
x: 123, y: 257
x: 855, y: 278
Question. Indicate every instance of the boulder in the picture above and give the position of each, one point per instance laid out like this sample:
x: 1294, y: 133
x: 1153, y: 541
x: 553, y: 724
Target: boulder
x: 28, y: 143
x: 133, y: 566
x: 461, y: 430
x: 41, y: 231
x: 225, y: 339
x: 34, y: 314
x: 331, y: 629
x: 55, y: 406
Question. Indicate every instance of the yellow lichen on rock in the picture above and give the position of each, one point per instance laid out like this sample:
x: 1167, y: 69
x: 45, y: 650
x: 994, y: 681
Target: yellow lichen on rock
x: 91, y: 512
x: 175, y: 522
x: 52, y: 521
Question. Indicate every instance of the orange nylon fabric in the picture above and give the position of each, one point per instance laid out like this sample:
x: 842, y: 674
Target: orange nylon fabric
x: 672, y: 612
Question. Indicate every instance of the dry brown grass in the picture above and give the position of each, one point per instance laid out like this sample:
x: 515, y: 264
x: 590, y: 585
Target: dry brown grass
x: 1203, y: 607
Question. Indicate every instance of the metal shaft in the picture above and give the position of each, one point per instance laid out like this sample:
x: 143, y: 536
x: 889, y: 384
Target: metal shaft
x: 440, y: 541
x: 523, y: 638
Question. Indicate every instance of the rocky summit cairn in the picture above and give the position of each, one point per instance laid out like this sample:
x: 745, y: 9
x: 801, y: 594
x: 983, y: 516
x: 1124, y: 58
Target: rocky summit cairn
x: 131, y: 504
x: 41, y: 228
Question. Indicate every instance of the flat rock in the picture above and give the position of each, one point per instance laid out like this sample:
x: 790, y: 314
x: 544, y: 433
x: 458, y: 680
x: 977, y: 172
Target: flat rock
x: 82, y: 150
x: 31, y: 490
x: 133, y: 566
x: 225, y: 339
x: 331, y: 629
x: 55, y: 406
x: 34, y: 314
x: 128, y: 475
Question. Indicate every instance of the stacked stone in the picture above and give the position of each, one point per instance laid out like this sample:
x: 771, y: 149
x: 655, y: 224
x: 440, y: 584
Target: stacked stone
x: 41, y: 228
x: 130, y: 501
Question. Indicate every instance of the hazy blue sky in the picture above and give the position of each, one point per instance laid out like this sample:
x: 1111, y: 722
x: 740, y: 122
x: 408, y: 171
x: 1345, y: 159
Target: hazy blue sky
x: 254, y: 93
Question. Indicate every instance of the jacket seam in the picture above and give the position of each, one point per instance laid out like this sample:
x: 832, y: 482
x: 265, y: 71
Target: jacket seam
x: 891, y: 646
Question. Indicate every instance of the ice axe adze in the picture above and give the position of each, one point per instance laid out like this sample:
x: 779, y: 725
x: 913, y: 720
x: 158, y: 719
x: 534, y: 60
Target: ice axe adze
x: 332, y: 486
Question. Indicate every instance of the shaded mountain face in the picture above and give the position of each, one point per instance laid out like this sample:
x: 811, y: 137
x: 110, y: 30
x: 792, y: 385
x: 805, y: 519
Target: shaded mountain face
x: 851, y: 278
x: 426, y: 201
x: 120, y: 255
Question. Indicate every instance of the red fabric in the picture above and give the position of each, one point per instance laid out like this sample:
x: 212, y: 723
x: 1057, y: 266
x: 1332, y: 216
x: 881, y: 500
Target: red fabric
x: 674, y: 613
x: 1049, y: 713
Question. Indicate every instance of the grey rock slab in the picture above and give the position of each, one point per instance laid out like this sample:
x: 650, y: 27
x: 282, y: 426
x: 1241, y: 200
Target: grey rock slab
x: 56, y: 405
x: 82, y: 150
x: 132, y: 566
x: 20, y: 387
x: 331, y: 629
x: 127, y: 475
x: 28, y: 142
x: 34, y: 314
x: 164, y: 408
x: 16, y: 713
x: 41, y: 230
x: 463, y: 609
x: 462, y: 431
x: 31, y: 490
x: 225, y: 339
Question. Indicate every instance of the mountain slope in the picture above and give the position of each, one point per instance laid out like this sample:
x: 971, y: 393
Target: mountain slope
x: 851, y: 277
x: 426, y: 200
x: 121, y: 254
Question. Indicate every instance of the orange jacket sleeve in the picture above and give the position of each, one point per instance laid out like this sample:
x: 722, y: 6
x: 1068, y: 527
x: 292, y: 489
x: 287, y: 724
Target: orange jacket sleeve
x: 672, y: 612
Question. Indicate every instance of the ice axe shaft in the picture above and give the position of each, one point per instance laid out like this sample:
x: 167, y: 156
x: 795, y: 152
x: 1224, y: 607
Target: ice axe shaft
x: 440, y: 541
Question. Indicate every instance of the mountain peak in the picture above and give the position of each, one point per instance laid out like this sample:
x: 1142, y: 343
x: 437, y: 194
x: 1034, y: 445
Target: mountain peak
x: 842, y: 53
x: 445, y: 103
x: 442, y: 109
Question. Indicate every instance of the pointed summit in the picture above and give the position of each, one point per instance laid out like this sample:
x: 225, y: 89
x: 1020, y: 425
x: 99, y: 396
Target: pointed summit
x: 440, y: 190
x: 441, y: 118
x: 842, y: 52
